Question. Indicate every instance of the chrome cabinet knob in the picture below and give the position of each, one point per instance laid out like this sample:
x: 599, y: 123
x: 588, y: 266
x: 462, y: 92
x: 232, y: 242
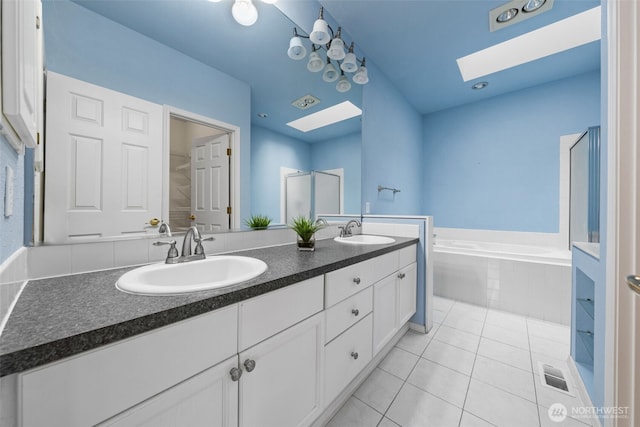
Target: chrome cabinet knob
x: 235, y: 374
x: 356, y: 280
x: 250, y: 365
x: 355, y: 311
x: 401, y: 275
x: 354, y: 354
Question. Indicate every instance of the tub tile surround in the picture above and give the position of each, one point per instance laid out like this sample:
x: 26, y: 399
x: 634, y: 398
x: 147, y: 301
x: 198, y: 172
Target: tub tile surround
x: 452, y: 384
x: 536, y: 285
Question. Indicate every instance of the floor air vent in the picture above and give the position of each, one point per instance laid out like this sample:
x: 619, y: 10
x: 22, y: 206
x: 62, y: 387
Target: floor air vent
x: 553, y: 377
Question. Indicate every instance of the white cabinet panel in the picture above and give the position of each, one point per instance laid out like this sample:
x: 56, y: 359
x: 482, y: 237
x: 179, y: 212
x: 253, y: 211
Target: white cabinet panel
x: 346, y: 356
x: 282, y: 380
x: 96, y: 385
x: 407, y: 281
x: 385, y: 312
x: 346, y: 313
x: 266, y: 315
x: 207, y: 399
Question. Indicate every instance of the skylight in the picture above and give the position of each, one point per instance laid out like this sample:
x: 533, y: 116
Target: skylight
x: 563, y: 35
x: 334, y: 114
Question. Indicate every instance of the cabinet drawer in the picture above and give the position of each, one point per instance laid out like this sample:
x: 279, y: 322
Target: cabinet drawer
x: 344, y: 314
x: 341, y: 284
x: 407, y: 255
x: 89, y: 388
x: 266, y: 315
x: 346, y: 356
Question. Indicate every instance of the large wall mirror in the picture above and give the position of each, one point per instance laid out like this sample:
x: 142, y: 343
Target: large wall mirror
x: 194, y: 57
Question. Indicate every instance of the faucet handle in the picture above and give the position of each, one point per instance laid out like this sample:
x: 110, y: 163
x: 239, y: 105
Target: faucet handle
x: 172, y: 255
x: 199, y: 248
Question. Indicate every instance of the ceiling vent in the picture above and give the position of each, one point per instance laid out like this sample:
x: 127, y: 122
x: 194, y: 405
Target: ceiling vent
x: 516, y: 11
x: 305, y: 102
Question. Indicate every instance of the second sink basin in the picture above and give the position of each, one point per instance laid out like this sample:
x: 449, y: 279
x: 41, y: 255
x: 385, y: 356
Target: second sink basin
x: 211, y: 273
x: 365, y: 239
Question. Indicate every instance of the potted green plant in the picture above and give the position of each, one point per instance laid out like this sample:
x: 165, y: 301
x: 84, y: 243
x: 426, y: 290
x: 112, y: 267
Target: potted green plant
x: 306, y: 229
x: 258, y: 222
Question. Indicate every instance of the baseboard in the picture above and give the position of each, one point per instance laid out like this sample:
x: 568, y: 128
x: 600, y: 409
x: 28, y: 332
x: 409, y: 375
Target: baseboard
x: 418, y: 328
x: 337, y: 403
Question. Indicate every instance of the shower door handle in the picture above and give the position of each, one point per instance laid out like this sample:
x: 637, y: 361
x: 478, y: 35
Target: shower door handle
x: 634, y: 283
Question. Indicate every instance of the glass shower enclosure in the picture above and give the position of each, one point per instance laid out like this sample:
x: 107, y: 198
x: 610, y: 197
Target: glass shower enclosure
x: 311, y: 193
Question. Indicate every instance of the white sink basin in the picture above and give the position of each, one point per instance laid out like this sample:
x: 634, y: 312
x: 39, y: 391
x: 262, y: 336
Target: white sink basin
x: 365, y: 239
x: 211, y: 273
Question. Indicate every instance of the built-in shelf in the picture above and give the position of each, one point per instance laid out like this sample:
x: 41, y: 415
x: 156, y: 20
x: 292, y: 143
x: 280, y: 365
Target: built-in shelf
x: 588, y: 306
x: 587, y: 340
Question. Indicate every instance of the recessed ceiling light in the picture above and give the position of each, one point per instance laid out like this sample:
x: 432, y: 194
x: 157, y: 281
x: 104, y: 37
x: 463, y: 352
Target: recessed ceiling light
x: 334, y: 114
x: 566, y: 34
x: 305, y: 102
x: 507, y: 15
x: 533, y: 5
x: 479, y: 85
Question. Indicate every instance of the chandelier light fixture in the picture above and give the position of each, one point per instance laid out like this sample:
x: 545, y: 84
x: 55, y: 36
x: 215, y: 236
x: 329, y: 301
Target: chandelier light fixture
x: 244, y: 11
x: 336, y: 62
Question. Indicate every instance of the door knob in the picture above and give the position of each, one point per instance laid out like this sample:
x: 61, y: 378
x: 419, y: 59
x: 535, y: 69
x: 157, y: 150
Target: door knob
x: 634, y: 283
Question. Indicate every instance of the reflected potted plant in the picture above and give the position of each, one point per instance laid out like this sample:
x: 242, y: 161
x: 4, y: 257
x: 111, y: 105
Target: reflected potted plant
x: 306, y: 229
x: 258, y: 222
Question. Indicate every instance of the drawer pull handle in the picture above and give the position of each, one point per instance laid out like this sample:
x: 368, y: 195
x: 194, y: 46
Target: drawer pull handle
x: 356, y: 280
x: 354, y: 355
x: 355, y: 311
x: 235, y: 374
x: 250, y: 365
x: 401, y: 275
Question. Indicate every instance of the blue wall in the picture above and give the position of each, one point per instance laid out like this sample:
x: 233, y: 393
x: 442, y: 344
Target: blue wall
x: 391, y: 148
x: 494, y: 164
x: 346, y: 153
x: 86, y: 46
x: 270, y: 151
x: 11, y: 228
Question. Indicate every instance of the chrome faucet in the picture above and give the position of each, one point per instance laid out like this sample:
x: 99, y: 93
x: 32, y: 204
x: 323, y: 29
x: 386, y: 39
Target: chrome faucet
x: 191, y: 234
x: 165, y: 229
x: 346, y: 230
x: 322, y: 221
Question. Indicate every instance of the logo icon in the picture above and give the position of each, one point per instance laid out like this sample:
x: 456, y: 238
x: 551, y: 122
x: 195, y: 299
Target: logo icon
x: 557, y: 412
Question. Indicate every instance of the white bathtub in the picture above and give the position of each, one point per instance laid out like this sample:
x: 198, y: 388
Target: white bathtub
x: 533, y: 281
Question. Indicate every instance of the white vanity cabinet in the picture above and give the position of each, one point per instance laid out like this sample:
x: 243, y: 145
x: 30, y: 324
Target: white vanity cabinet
x: 394, y: 298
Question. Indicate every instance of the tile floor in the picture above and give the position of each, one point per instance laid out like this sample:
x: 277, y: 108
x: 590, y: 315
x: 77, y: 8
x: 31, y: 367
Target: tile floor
x: 477, y: 367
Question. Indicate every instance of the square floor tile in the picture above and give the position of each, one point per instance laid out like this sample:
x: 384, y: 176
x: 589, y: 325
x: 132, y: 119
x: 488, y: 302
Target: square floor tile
x: 470, y: 420
x: 461, y: 309
x: 439, y: 316
x: 386, y: 422
x: 505, y: 353
x: 355, y: 413
x: 379, y: 389
x: 417, y: 408
x: 414, y: 342
x: 546, y: 421
x: 399, y: 362
x: 505, y: 377
x: 450, y: 356
x: 507, y: 320
x: 440, y: 381
x: 549, y: 348
x: 550, y: 331
x: 442, y: 304
x: 458, y: 338
x: 463, y: 323
x: 507, y: 336
x: 499, y: 407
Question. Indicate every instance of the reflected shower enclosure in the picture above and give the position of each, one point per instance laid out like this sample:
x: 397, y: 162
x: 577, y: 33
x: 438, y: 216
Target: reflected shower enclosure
x: 311, y: 193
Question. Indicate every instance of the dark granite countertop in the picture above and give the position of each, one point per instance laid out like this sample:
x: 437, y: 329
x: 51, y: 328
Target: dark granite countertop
x: 62, y: 316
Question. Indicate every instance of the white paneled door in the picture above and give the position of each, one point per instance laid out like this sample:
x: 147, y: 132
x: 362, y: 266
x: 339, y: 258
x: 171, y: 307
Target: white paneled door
x: 103, y: 160
x: 210, y: 183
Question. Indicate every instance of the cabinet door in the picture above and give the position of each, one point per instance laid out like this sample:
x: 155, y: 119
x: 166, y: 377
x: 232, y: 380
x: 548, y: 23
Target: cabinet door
x: 207, y: 399
x: 385, y: 312
x: 407, y: 280
x: 282, y: 380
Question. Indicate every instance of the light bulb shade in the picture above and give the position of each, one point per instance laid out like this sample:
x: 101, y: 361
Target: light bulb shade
x: 336, y: 51
x: 296, y: 50
x: 330, y: 73
x: 343, y: 84
x: 349, y: 64
x: 361, y: 77
x: 320, y: 34
x: 315, y: 64
x: 244, y: 12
